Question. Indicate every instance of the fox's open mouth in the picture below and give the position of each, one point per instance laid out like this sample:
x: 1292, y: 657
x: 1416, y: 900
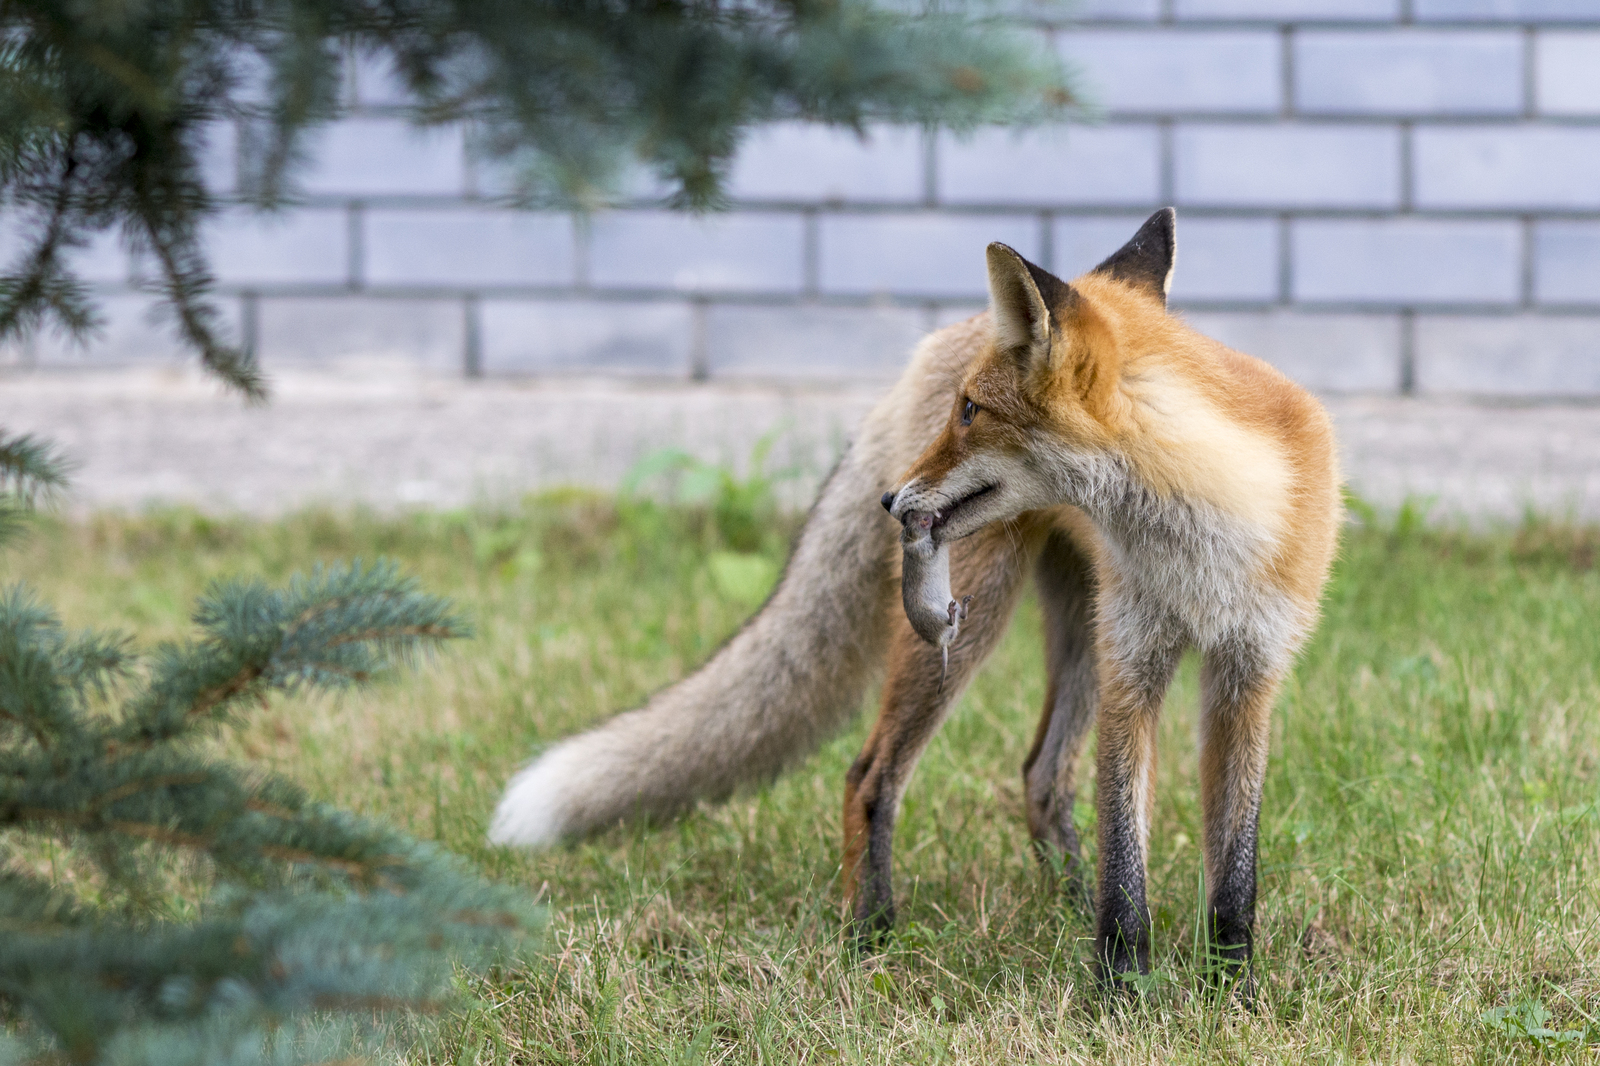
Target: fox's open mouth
x: 943, y: 514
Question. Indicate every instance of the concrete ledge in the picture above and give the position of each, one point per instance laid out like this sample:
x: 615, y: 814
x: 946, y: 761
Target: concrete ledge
x: 403, y: 439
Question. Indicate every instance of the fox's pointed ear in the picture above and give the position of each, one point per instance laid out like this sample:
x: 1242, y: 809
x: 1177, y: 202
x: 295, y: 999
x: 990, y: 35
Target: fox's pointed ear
x: 1020, y: 298
x: 1146, y: 261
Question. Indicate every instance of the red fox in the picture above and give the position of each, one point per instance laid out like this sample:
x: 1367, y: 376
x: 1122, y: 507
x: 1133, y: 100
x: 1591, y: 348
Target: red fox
x: 1165, y: 492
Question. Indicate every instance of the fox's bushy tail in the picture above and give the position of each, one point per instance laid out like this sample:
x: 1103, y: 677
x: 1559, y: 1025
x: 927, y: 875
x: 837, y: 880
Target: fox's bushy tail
x: 792, y: 676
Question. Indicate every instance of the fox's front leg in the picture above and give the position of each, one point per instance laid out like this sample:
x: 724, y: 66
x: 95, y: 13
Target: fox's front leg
x: 1237, y: 694
x: 1134, y: 680
x: 990, y: 566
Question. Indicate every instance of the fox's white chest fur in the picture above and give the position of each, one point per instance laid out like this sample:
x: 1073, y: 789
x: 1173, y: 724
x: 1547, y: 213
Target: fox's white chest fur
x: 1181, y: 569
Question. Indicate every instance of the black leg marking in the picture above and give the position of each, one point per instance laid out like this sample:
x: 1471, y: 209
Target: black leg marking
x: 875, y: 905
x: 1232, y: 907
x: 1237, y: 692
x: 1133, y: 683
x: 1122, y: 925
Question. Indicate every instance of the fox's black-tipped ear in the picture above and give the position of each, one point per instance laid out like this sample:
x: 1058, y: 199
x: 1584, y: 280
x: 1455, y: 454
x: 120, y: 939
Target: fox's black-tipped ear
x: 1146, y: 261
x: 1020, y: 298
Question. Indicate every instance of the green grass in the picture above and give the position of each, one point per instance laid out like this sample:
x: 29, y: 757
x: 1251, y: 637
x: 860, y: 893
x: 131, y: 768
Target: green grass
x: 1428, y: 842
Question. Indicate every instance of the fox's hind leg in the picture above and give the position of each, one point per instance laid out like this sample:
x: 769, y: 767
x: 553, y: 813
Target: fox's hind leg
x: 1064, y: 577
x: 1237, y: 688
x: 989, y: 566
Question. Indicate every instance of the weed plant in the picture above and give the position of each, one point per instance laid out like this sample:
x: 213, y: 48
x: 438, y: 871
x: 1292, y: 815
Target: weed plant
x: 1430, y: 840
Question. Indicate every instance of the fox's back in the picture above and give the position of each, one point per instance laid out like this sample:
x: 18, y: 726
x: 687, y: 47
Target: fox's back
x: 1260, y: 395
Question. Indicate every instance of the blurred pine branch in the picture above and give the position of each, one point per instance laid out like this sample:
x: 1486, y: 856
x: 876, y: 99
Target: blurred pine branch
x: 106, y: 108
x: 213, y: 912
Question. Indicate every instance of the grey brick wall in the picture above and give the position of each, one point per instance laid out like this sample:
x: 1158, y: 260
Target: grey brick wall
x: 1377, y: 195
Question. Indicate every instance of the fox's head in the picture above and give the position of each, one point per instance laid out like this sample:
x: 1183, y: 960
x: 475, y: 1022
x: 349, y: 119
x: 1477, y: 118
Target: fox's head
x: 1047, y: 393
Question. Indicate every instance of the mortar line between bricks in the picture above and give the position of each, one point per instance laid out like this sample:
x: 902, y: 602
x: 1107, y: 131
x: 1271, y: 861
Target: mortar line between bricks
x: 1408, y: 170
x: 581, y: 231
x: 857, y: 298
x: 1530, y: 74
x: 863, y: 207
x: 1408, y: 351
x: 811, y: 254
x: 1167, y: 180
x: 1528, y: 261
x: 1112, y: 116
x: 1269, y: 22
x: 249, y: 324
x: 355, y: 246
x: 863, y: 299
x: 471, y: 338
x: 1286, y: 72
x: 699, y: 340
x: 1285, y: 260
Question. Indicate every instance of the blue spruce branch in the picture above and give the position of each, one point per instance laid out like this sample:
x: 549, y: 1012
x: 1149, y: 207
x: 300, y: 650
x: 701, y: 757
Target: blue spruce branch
x: 307, y: 908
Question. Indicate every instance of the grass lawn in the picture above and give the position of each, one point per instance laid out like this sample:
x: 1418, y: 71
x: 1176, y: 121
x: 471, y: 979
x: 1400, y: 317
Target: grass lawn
x: 1430, y: 841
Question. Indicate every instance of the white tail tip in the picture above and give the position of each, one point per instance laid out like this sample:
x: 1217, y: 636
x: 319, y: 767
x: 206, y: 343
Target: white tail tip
x: 533, y: 811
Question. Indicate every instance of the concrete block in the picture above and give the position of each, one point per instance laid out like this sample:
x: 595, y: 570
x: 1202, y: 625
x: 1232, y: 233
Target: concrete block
x: 1164, y: 71
x: 1287, y: 166
x: 1504, y: 10
x: 820, y: 164
x: 1051, y: 166
x: 219, y: 158
x: 1289, y: 10
x: 1073, y: 11
x: 1513, y: 355
x: 949, y: 314
x: 1406, y: 261
x: 1226, y: 259
x: 252, y: 76
x: 385, y: 157
x: 1566, y: 262
x: 1409, y: 72
x: 102, y: 260
x: 492, y: 178
x: 357, y: 332
x: 586, y: 336
x: 1507, y: 167
x: 377, y: 83
x: 917, y: 254
x: 468, y: 247
x: 307, y: 246
x: 1079, y: 243
x: 1219, y: 259
x: 134, y: 330
x: 1325, y: 352
x: 1567, y: 72
x: 742, y: 252
x: 810, y: 341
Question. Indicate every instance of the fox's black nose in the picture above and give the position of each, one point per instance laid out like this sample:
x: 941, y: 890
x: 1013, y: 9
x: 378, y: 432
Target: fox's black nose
x: 887, y: 499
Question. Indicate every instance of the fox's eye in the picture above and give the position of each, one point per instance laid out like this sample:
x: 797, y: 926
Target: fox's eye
x: 968, y: 411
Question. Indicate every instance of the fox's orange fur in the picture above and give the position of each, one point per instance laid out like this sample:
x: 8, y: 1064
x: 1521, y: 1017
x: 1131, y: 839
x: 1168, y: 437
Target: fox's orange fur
x: 1164, y: 492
